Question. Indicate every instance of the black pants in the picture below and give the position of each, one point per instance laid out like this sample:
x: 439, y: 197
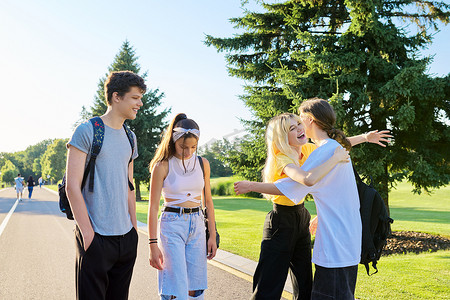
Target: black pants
x: 286, y: 245
x: 104, y: 270
x: 334, y: 283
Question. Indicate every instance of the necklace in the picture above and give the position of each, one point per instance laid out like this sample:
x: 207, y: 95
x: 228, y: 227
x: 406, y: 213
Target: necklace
x: 187, y: 163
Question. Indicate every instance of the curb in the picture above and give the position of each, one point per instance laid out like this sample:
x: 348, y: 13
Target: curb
x: 232, y: 263
x: 54, y: 192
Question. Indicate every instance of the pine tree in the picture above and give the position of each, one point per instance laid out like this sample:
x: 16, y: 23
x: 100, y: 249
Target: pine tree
x: 148, y: 124
x: 356, y: 54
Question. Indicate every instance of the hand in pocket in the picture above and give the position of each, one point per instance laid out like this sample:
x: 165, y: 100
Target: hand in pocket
x: 87, y: 239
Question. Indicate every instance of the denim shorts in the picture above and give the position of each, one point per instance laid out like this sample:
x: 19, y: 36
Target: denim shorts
x: 183, y: 243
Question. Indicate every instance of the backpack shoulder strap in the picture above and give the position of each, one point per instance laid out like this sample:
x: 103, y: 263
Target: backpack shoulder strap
x: 200, y: 160
x: 131, y: 140
x: 130, y: 137
x: 97, y: 142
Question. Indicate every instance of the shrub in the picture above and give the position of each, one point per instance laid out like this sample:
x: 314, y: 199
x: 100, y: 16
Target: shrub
x: 223, y: 186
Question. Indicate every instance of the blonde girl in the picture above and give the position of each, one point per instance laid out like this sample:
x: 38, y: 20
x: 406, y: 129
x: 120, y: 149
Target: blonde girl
x: 179, y: 252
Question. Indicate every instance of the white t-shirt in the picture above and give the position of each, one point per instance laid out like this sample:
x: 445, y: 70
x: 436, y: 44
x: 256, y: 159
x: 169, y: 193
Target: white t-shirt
x: 338, y: 236
x: 19, y: 182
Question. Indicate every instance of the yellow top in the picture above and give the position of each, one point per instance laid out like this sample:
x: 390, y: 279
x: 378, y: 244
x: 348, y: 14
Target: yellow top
x: 282, y: 161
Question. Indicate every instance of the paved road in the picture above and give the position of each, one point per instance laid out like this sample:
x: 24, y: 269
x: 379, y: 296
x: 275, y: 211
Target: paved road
x: 37, y: 256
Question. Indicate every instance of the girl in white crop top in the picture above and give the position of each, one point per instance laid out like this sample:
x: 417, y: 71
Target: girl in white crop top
x: 179, y: 252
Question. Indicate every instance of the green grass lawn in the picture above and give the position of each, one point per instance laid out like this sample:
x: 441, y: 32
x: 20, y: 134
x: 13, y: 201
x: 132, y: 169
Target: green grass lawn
x: 424, y: 213
x: 52, y: 187
x: 410, y: 276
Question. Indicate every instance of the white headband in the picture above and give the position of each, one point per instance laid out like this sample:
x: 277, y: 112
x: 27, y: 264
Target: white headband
x: 179, y: 132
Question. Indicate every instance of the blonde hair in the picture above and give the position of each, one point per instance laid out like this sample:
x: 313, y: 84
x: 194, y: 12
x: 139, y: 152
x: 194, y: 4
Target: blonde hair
x: 323, y: 115
x: 277, y: 142
x: 166, y: 148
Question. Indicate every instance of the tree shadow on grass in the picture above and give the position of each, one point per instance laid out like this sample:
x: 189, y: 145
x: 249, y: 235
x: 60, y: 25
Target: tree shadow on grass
x: 416, y: 214
x: 258, y: 204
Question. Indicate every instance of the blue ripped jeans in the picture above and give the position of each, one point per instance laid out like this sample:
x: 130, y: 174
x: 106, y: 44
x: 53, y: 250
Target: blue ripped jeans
x: 183, y: 244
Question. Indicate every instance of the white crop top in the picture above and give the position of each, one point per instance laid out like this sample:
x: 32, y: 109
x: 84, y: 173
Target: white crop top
x: 183, y: 185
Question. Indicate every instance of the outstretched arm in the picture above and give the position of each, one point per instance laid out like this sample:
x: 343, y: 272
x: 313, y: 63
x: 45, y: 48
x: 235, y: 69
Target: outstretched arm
x: 374, y: 136
x: 312, y: 176
x: 242, y: 187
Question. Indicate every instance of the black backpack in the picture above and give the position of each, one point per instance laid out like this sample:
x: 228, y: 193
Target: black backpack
x: 375, y: 223
x: 97, y: 142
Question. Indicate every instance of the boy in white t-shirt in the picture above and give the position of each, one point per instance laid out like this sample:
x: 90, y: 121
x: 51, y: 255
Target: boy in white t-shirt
x: 19, y: 186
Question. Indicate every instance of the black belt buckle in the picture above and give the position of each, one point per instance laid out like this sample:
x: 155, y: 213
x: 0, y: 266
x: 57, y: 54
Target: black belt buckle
x: 187, y: 210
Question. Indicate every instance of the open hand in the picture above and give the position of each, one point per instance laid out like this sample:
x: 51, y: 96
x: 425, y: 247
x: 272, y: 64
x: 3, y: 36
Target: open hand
x: 377, y: 137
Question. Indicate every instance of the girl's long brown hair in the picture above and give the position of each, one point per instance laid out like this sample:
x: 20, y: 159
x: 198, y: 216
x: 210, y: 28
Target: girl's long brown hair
x: 323, y: 115
x: 166, y: 148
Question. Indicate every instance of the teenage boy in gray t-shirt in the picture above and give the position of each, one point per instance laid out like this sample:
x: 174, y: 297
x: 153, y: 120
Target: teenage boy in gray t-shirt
x: 106, y: 225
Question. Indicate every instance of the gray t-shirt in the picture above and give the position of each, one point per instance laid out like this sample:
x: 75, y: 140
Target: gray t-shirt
x: 107, y: 205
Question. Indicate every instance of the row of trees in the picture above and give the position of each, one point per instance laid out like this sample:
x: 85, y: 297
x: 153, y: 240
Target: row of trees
x: 217, y: 155
x: 49, y: 156
x: 364, y: 56
x: 46, y: 159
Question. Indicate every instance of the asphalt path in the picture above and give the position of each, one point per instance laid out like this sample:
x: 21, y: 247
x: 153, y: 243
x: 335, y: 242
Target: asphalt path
x: 37, y: 255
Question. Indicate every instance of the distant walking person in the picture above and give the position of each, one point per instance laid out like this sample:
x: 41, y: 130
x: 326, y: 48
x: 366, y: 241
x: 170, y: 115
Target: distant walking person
x: 40, y: 182
x: 30, y: 184
x: 106, y: 226
x: 19, y: 186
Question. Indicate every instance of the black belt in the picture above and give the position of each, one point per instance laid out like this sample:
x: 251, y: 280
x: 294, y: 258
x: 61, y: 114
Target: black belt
x: 184, y: 210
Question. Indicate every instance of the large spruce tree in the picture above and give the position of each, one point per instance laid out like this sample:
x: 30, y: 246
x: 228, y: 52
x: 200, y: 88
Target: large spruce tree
x: 364, y: 56
x: 148, y: 124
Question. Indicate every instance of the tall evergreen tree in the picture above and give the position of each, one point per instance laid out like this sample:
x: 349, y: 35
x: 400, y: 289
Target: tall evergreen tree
x: 356, y: 54
x: 148, y: 124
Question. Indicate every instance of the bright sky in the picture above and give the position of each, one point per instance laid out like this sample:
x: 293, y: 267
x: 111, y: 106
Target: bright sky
x: 54, y: 52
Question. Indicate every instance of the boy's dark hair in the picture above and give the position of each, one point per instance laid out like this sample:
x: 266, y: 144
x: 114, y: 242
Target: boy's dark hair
x: 121, y: 82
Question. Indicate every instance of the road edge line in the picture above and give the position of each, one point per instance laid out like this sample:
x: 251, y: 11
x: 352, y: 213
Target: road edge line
x: 8, y: 216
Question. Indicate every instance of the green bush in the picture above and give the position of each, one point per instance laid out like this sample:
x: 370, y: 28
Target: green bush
x: 223, y: 186
x: 223, y: 189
